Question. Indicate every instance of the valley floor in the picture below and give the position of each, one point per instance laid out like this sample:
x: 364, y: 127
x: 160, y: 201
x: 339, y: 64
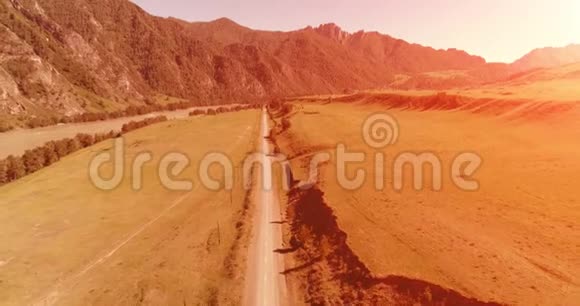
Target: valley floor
x: 65, y: 242
x: 514, y: 241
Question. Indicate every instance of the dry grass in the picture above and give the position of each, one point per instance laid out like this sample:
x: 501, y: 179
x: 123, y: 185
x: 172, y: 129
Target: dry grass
x: 514, y: 241
x: 56, y: 225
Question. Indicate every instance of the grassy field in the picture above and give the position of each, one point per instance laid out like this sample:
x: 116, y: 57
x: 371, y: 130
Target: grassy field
x: 514, y: 241
x: 65, y: 242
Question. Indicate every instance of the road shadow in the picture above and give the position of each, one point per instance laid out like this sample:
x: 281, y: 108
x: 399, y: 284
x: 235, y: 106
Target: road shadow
x: 300, y: 267
x: 285, y: 251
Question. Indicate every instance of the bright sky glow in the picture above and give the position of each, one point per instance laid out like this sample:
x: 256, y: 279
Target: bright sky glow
x: 499, y: 30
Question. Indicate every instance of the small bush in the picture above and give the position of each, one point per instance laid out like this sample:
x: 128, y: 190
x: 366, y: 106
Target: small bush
x: 133, y: 125
x: 38, y: 122
x: 72, y: 145
x: 286, y: 108
x: 61, y: 148
x: 285, y: 124
x: 197, y: 112
x: 3, y: 172
x: 85, y: 140
x: 32, y: 161
x: 15, y: 168
x: 5, y: 127
x: 50, y: 155
x: 276, y: 103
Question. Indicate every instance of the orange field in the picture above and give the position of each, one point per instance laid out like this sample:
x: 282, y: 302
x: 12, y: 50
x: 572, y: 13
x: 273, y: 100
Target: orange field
x: 513, y: 241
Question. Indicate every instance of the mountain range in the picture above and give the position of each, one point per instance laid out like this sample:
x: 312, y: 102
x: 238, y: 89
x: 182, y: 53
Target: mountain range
x: 72, y: 56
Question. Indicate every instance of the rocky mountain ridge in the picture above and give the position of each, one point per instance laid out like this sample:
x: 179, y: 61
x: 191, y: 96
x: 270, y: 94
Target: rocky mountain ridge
x: 72, y: 56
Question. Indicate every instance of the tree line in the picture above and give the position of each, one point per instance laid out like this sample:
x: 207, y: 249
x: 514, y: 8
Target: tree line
x: 15, y: 167
x: 223, y: 109
x: 37, y: 122
x: 134, y: 125
x: 130, y: 111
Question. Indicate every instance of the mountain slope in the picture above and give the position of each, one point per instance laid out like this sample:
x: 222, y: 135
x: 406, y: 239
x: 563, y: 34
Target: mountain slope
x: 399, y: 54
x: 548, y: 58
x: 74, y: 56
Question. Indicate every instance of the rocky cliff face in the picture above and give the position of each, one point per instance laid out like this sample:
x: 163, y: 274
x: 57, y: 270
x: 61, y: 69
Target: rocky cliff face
x: 28, y: 81
x: 71, y: 56
x: 398, y: 54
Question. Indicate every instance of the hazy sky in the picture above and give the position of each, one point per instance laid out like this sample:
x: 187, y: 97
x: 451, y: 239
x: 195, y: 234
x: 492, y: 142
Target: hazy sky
x: 499, y: 30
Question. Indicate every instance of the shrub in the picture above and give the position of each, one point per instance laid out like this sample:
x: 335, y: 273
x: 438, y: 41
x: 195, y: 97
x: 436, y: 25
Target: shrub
x: 72, y: 145
x: 37, y: 122
x: 61, y: 148
x: 3, y: 172
x: 197, y: 112
x: 113, y: 134
x: 100, y: 137
x: 85, y: 140
x: 105, y: 136
x: 149, y: 101
x: 50, y: 155
x: 286, y: 108
x: 276, y: 103
x: 133, y: 125
x: 127, y: 127
x: 5, y: 127
x: 15, y: 168
x: 285, y: 124
x: 32, y: 161
x: 211, y: 112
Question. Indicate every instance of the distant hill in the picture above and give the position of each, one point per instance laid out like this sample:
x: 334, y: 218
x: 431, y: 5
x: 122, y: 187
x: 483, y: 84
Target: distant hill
x: 548, y: 58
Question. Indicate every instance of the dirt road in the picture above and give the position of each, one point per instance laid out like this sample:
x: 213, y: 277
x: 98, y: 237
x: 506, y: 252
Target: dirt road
x: 265, y: 283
